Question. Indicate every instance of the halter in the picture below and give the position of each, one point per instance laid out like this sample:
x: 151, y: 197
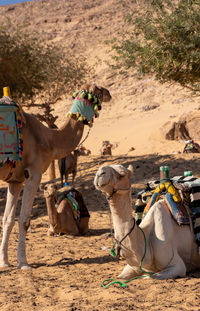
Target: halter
x: 126, y: 235
x: 115, y: 191
x: 119, y: 242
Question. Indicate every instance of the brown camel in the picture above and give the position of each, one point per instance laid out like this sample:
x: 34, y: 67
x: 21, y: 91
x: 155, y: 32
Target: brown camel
x: 64, y: 218
x: 42, y: 145
x: 68, y: 165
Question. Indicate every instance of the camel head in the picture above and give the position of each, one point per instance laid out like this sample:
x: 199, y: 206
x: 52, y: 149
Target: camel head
x: 50, y: 190
x: 102, y: 92
x: 113, y: 178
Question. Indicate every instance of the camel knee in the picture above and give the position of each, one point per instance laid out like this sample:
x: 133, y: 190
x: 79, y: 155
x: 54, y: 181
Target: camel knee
x: 129, y: 272
x: 8, y: 221
x: 173, y: 271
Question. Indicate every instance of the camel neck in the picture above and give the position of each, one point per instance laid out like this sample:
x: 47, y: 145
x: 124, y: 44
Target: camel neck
x: 51, y: 210
x: 120, y: 206
x: 65, y: 139
x: 124, y: 226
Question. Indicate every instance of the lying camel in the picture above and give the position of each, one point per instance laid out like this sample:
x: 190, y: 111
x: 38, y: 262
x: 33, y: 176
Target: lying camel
x: 83, y: 151
x: 64, y: 219
x: 171, y: 250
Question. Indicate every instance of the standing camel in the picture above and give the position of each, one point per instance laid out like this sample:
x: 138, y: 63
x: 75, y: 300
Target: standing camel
x: 68, y: 165
x: 42, y: 145
x: 171, y: 249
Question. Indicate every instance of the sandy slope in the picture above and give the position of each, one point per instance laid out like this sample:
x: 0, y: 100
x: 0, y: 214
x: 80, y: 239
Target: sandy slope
x: 68, y: 271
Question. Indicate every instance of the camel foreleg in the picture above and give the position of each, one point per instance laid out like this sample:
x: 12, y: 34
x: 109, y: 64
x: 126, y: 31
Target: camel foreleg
x: 30, y: 190
x: 129, y: 272
x: 13, y: 193
x: 176, y: 269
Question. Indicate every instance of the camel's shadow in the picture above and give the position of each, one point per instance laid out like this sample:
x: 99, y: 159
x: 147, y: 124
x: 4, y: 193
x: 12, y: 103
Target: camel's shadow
x: 70, y: 261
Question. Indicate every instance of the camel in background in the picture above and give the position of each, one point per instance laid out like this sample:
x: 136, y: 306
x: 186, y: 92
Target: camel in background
x: 42, y: 145
x: 171, y: 249
x: 68, y: 165
x: 64, y: 218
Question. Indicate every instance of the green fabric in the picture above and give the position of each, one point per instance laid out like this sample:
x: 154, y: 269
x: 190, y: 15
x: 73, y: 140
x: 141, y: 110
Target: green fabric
x: 84, y: 107
x: 10, y: 142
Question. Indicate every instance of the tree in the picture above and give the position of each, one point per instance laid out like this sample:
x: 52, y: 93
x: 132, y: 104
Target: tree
x: 35, y: 70
x: 38, y: 73
x: 163, y: 40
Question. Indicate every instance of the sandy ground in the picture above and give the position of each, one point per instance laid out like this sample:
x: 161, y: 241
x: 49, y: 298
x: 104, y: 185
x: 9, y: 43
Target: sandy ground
x: 67, y: 272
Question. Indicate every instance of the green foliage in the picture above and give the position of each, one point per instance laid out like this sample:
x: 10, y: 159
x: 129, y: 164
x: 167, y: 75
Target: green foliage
x: 34, y: 70
x: 164, y: 40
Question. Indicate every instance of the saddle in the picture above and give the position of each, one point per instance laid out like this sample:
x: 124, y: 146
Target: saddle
x: 11, y: 141
x: 76, y: 202
x: 182, y: 197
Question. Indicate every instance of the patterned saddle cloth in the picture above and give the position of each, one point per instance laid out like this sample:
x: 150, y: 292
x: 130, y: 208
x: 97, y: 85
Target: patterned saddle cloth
x: 11, y: 142
x: 76, y: 202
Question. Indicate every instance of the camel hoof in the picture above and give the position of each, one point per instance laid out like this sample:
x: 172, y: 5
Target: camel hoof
x: 50, y: 233
x: 24, y: 267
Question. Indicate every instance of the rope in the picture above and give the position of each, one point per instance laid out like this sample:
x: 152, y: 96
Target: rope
x: 124, y: 284
x: 84, y: 138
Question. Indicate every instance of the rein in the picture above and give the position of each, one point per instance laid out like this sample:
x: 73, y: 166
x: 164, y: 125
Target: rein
x: 124, y: 284
x: 112, y: 251
x: 84, y: 138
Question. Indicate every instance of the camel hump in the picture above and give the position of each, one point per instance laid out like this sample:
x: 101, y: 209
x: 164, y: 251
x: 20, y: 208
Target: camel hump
x: 76, y: 196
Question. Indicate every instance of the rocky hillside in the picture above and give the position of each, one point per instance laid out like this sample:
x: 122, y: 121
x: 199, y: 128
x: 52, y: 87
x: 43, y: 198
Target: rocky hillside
x: 139, y: 108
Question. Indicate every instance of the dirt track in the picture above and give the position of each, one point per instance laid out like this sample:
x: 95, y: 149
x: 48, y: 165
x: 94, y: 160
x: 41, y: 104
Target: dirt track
x: 68, y: 271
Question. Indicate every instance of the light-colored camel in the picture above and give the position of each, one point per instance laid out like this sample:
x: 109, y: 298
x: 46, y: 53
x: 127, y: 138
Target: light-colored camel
x: 41, y: 146
x: 171, y: 250
x: 62, y: 218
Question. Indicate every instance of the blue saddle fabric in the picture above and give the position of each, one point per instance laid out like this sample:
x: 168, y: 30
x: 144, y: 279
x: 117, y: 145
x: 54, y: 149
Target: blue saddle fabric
x: 11, y: 143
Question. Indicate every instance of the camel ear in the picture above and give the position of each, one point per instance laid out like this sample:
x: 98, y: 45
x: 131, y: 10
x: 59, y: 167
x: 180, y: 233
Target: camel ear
x: 130, y: 169
x: 121, y: 170
x: 41, y: 187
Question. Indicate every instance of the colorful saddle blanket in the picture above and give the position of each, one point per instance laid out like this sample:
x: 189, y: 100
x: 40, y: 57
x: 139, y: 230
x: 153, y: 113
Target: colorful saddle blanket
x: 183, y: 201
x: 11, y: 143
x: 76, y: 201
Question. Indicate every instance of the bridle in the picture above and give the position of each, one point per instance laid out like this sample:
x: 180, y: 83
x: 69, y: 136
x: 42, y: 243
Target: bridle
x: 115, y: 191
x: 120, y: 242
x: 127, y: 234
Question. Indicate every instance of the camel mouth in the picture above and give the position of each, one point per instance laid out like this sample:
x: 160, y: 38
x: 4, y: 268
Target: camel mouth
x: 108, y: 99
x: 99, y: 184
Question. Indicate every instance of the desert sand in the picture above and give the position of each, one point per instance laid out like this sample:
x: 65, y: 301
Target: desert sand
x: 67, y: 271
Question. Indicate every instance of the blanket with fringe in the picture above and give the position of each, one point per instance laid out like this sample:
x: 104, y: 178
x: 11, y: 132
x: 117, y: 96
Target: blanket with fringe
x: 11, y: 143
